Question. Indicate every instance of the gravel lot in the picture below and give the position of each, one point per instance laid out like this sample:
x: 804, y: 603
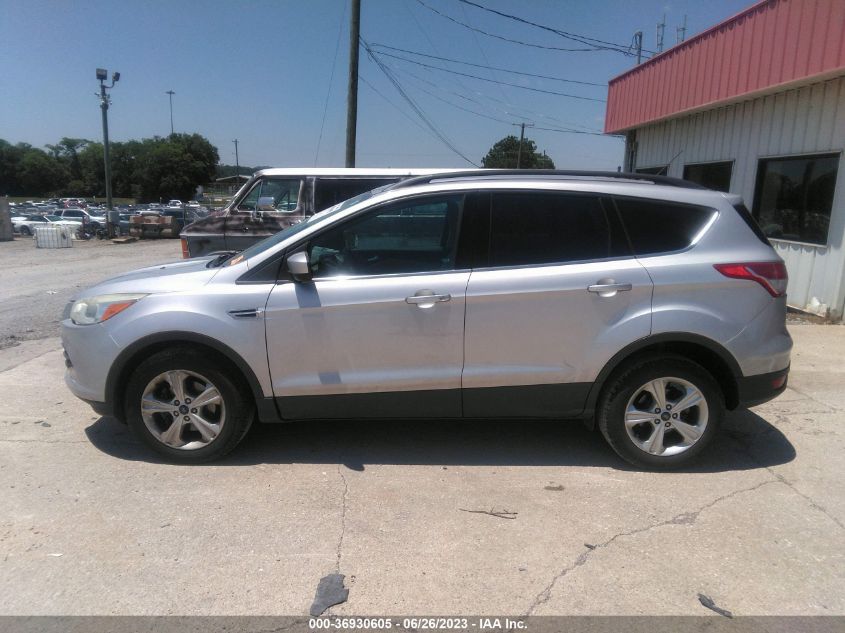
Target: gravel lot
x: 37, y: 283
x: 93, y: 524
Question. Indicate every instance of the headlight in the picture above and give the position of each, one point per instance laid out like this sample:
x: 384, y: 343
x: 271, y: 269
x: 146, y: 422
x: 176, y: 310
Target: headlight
x: 99, y: 309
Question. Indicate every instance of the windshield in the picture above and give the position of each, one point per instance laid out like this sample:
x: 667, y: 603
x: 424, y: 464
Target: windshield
x: 270, y: 242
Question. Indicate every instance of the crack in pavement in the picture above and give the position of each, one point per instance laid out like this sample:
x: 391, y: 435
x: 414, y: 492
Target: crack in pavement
x: 746, y: 448
x: 685, y: 518
x: 816, y: 400
x: 342, y: 517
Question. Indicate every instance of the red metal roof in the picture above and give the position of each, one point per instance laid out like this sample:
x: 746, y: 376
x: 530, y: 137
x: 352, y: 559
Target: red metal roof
x: 771, y: 44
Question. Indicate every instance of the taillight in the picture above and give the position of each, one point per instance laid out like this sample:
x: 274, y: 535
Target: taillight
x: 185, y: 253
x: 771, y: 275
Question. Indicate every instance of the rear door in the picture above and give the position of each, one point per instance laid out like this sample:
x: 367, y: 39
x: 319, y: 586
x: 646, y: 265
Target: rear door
x: 558, y: 294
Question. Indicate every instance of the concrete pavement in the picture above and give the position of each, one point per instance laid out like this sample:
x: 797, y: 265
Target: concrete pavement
x: 93, y: 524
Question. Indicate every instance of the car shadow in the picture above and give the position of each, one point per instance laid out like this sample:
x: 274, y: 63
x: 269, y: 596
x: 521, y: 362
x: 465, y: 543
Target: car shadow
x: 746, y: 441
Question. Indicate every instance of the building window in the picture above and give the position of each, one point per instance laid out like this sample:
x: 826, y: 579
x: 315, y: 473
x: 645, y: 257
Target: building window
x: 794, y: 197
x: 711, y: 175
x: 659, y: 170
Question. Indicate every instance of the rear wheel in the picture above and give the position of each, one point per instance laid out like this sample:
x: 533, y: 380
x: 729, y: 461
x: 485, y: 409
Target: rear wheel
x: 187, y: 407
x: 661, y: 412
x: 25, y: 231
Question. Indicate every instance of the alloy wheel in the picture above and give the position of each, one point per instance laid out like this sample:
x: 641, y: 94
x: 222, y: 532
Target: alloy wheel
x: 666, y: 416
x: 183, y: 409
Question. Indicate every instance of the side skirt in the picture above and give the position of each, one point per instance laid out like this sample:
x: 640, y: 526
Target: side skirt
x: 528, y: 401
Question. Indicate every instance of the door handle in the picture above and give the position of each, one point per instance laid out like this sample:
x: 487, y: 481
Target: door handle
x: 608, y: 288
x: 426, y: 298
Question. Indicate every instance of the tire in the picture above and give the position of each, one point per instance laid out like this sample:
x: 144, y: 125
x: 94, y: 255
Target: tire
x: 657, y: 437
x: 25, y: 231
x: 205, y: 433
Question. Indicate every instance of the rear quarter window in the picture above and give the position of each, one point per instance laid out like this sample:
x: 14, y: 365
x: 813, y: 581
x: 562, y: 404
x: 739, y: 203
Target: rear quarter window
x: 656, y: 226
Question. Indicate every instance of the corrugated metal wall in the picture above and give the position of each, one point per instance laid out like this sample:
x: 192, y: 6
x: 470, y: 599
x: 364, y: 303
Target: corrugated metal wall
x: 806, y: 120
x: 771, y: 43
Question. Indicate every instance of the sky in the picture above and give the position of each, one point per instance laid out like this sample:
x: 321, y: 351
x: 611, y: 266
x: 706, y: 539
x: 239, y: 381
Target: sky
x: 273, y: 74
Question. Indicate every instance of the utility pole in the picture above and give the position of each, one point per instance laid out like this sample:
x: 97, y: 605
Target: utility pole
x: 681, y: 31
x: 171, y: 93
x: 521, y: 140
x: 237, y: 163
x: 105, y: 101
x: 638, y: 44
x: 352, y: 90
x: 661, y: 30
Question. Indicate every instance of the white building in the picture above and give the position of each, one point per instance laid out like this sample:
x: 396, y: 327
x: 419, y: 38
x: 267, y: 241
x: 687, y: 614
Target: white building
x: 755, y: 106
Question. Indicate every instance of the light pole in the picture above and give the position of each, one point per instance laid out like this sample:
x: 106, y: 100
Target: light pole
x: 105, y: 101
x: 170, y: 93
x: 237, y: 164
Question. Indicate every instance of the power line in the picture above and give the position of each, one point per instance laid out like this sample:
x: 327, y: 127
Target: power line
x: 498, y: 120
x: 502, y: 37
x: 583, y: 39
x: 504, y: 83
x: 400, y: 110
x: 505, y: 112
x: 331, y: 79
x: 414, y: 106
x: 504, y: 70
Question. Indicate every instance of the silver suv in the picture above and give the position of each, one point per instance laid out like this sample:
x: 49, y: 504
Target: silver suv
x: 646, y: 306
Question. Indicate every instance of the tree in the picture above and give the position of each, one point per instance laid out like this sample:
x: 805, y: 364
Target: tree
x: 503, y: 155
x: 41, y: 174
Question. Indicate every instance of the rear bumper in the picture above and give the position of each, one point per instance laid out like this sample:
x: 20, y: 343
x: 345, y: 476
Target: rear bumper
x: 754, y: 390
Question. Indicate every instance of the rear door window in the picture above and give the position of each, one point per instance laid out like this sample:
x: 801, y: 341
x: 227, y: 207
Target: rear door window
x: 547, y: 228
x: 656, y: 226
x: 329, y: 191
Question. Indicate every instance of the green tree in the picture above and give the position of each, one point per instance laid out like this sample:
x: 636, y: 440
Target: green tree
x: 503, y: 155
x: 67, y: 151
x: 41, y: 174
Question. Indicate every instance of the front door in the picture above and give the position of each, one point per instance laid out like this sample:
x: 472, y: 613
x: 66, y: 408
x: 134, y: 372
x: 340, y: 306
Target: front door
x: 379, y: 330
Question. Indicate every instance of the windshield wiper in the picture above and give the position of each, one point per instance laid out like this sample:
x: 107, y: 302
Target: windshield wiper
x: 221, y: 259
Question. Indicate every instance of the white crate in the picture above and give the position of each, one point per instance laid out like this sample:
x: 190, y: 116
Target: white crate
x: 53, y: 237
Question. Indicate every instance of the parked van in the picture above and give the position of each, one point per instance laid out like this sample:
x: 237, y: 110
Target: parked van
x: 274, y: 199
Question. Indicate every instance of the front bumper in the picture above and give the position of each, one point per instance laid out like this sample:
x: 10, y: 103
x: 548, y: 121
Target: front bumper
x: 89, y: 353
x: 754, y: 390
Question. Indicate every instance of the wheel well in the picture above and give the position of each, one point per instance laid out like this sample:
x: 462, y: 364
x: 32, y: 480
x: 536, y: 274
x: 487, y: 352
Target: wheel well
x: 140, y: 354
x: 715, y: 364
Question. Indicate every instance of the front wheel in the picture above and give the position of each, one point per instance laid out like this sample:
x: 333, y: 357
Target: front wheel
x: 187, y: 407
x: 661, y: 412
x: 25, y: 231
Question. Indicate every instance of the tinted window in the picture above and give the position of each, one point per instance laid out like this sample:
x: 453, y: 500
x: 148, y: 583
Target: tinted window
x: 329, y: 191
x: 548, y: 228
x: 660, y: 227
x: 746, y: 216
x: 715, y: 176
x: 659, y: 170
x: 415, y: 236
x: 794, y: 197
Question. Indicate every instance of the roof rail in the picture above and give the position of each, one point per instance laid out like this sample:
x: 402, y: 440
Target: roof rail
x: 547, y: 173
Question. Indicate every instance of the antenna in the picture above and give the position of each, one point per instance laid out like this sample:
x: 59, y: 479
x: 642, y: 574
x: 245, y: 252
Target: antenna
x: 661, y: 29
x: 682, y: 31
x: 638, y: 45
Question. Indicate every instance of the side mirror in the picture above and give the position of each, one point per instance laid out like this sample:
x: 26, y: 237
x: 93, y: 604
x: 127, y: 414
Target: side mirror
x: 298, y: 266
x: 266, y: 203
